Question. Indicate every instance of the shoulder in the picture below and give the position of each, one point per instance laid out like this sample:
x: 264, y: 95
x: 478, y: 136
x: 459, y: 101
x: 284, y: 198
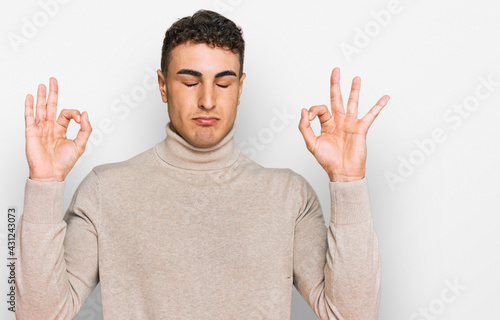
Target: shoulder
x: 291, y: 188
x: 283, y: 176
x: 132, y: 166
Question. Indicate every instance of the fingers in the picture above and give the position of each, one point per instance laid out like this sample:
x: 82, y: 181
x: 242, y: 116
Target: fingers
x: 320, y: 111
x: 52, y: 100
x: 335, y: 95
x: 374, y: 111
x: 29, y: 118
x: 352, y: 103
x: 41, y: 107
x: 84, y: 133
x: 66, y: 115
x: 306, y: 130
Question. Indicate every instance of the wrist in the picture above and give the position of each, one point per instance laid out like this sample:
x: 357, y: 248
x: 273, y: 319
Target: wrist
x: 344, y: 178
x: 43, y: 178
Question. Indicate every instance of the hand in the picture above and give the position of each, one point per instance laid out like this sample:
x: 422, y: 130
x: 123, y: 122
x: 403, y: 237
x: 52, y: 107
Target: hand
x: 50, y: 155
x: 341, y: 146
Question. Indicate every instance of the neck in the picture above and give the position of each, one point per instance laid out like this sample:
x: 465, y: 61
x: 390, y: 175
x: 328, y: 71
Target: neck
x: 176, y: 151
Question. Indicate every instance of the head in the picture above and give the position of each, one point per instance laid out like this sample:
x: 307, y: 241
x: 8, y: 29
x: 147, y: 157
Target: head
x: 201, y: 76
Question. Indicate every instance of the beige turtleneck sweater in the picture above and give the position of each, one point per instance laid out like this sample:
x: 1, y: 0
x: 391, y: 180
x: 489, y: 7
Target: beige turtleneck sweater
x: 179, y: 232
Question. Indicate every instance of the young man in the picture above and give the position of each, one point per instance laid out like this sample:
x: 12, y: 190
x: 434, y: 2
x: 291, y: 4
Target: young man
x: 192, y: 228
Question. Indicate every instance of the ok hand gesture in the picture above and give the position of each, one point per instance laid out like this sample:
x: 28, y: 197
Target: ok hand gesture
x: 50, y: 154
x: 341, y: 146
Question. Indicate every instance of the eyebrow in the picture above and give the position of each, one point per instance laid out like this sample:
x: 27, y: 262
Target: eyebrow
x: 199, y: 74
x: 225, y: 73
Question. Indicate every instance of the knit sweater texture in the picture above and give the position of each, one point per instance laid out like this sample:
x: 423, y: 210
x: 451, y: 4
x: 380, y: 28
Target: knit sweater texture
x: 180, y: 232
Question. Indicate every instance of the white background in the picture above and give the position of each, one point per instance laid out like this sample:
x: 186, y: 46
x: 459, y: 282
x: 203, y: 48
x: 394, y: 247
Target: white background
x: 438, y: 224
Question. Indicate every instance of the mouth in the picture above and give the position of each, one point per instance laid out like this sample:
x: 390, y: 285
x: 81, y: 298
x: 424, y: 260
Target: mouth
x: 206, y: 120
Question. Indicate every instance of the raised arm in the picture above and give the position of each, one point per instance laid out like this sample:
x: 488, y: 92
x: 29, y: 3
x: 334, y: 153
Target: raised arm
x: 55, y: 273
x: 337, y: 269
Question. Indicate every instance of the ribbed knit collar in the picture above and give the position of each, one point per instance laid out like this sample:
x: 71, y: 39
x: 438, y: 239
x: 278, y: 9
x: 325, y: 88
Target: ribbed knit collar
x: 176, y: 151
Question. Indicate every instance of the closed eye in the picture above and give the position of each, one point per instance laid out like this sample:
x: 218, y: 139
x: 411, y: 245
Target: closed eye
x: 222, y: 86
x: 190, y: 84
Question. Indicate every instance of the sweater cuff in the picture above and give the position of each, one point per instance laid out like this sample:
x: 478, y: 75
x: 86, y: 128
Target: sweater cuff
x: 350, y: 202
x: 43, y: 201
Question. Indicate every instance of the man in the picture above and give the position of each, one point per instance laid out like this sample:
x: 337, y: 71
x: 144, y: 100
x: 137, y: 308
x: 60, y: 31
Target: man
x: 192, y: 228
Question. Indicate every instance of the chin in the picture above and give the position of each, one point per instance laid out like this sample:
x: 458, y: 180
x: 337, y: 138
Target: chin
x: 205, y: 139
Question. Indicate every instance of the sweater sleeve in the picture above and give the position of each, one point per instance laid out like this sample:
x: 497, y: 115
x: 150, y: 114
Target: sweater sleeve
x: 57, y: 257
x: 337, y: 269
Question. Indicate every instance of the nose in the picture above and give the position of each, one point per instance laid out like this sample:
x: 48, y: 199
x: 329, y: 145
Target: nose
x: 207, y: 97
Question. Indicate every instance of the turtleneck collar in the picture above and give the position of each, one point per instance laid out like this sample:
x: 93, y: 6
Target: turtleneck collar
x: 176, y: 151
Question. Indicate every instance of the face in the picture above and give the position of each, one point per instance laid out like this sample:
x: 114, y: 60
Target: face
x: 202, y: 90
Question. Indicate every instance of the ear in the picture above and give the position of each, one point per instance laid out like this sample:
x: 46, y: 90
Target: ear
x: 241, y: 86
x: 162, y: 83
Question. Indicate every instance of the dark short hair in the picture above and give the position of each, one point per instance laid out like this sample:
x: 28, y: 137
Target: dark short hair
x: 204, y: 26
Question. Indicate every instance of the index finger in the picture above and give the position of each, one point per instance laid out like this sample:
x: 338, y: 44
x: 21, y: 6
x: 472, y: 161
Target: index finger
x: 66, y: 115
x: 52, y: 99
x: 335, y: 94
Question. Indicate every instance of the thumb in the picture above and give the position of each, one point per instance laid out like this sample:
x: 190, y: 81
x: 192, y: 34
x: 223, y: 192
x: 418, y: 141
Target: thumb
x: 306, y: 130
x: 84, y: 133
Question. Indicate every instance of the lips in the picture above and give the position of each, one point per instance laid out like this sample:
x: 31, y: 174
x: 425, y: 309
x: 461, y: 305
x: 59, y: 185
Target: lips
x: 206, y: 120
